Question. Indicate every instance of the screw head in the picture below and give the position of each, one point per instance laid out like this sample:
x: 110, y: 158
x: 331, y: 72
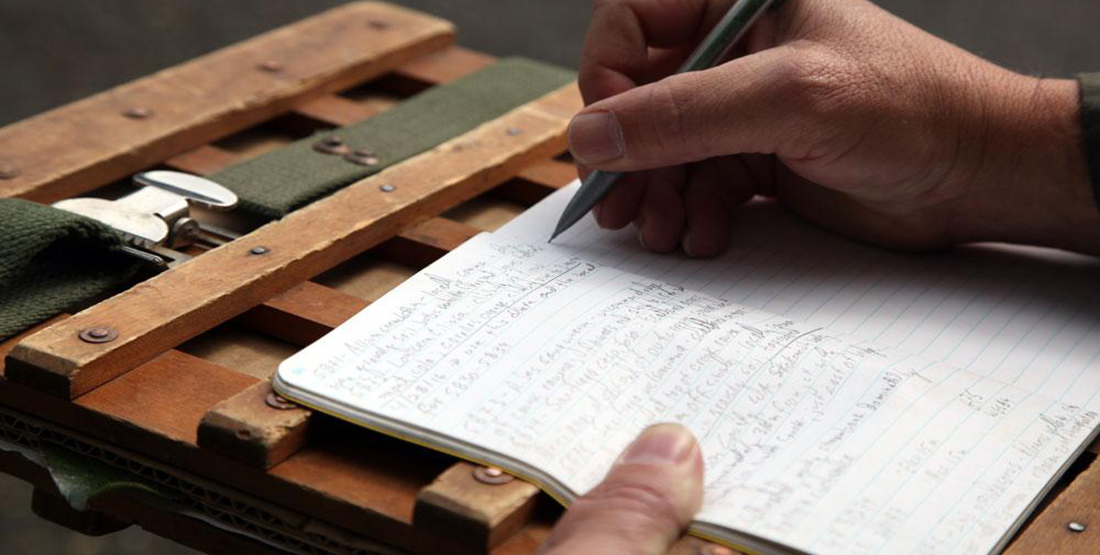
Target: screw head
x: 378, y: 24
x: 362, y: 157
x: 137, y: 112
x: 98, y: 334
x: 276, y: 401
x: 270, y: 66
x: 8, y: 171
x: 513, y: 131
x: 492, y: 476
x: 387, y: 188
x: 1076, y: 527
x: 258, y: 250
x: 331, y: 145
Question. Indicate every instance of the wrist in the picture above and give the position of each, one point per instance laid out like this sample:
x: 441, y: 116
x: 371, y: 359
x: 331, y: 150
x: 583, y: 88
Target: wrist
x: 1034, y: 183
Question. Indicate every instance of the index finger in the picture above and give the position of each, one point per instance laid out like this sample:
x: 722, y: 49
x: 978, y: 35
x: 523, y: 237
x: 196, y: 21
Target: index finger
x: 617, y: 56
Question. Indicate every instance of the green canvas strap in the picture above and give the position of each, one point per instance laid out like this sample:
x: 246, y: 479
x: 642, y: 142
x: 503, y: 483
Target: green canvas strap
x: 52, y: 261
x: 281, y: 181
x: 1090, y: 127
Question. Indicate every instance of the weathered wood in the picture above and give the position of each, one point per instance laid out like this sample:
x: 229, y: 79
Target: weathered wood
x: 180, y: 108
x: 476, y: 516
x: 1049, y: 532
x: 162, y: 312
x: 303, y: 313
x: 246, y: 428
x: 426, y: 242
x: 436, y: 68
x: 537, y: 181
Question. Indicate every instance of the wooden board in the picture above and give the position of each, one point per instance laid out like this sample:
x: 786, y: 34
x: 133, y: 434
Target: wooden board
x: 185, y: 387
x: 136, y: 125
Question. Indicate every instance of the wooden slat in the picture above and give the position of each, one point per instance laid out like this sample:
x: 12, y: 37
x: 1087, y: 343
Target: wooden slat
x: 537, y: 181
x: 1048, y: 532
x: 444, y: 66
x: 245, y: 428
x: 210, y: 97
x: 339, y: 111
x: 303, y: 313
x: 170, y: 308
x: 477, y: 516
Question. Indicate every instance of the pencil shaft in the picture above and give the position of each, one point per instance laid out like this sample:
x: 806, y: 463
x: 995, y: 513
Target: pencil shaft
x: 714, y: 48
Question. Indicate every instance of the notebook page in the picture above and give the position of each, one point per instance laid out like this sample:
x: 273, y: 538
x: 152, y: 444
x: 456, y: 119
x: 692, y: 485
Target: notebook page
x: 557, y: 363
x: 1025, y: 315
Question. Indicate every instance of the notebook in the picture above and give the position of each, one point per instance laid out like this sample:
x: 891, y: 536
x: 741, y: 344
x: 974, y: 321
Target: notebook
x: 848, y: 399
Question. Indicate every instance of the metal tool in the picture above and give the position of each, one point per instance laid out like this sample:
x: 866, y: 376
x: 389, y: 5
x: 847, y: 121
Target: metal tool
x: 156, y: 219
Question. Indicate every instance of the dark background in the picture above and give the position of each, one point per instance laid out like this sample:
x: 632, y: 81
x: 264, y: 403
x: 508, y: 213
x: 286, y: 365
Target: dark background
x: 56, y: 51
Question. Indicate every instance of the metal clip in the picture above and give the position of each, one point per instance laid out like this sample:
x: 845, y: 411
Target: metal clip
x: 156, y: 219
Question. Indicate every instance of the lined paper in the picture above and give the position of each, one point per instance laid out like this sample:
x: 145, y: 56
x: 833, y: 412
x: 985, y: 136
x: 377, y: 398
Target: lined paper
x: 1024, y: 315
x: 814, y: 438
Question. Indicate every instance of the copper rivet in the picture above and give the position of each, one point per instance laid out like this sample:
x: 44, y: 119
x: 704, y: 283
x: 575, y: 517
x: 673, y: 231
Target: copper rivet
x: 715, y: 549
x: 276, y: 401
x: 270, y: 66
x: 387, y: 188
x: 8, y: 171
x: 1076, y: 527
x: 492, y: 476
x: 513, y: 131
x: 137, y: 112
x: 98, y: 334
x: 378, y: 24
x: 331, y: 145
x: 259, y: 250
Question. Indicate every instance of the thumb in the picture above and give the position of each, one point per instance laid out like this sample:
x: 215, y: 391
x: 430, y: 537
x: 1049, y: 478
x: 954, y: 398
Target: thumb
x: 753, y: 104
x: 643, y: 505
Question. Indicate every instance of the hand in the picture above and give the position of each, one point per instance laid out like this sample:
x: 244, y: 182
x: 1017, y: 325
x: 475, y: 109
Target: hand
x: 643, y: 505
x: 844, y: 113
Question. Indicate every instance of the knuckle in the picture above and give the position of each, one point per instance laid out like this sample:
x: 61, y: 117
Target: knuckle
x: 819, y: 85
x: 668, y: 110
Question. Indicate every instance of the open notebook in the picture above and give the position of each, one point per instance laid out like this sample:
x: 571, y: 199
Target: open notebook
x: 848, y: 400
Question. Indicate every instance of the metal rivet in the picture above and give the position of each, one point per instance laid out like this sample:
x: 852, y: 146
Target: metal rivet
x: 8, y: 171
x: 270, y: 66
x: 362, y: 157
x: 378, y: 24
x: 137, y: 112
x: 715, y: 549
x: 276, y: 401
x: 387, y: 188
x: 513, y: 131
x: 1076, y: 527
x: 98, y: 334
x: 331, y: 145
x: 492, y: 476
x: 259, y: 250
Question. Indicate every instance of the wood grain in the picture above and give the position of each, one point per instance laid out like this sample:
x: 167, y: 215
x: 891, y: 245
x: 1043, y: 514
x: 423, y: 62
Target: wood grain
x: 164, y: 311
x: 1048, y: 532
x: 210, y: 97
x: 245, y: 428
x: 476, y: 516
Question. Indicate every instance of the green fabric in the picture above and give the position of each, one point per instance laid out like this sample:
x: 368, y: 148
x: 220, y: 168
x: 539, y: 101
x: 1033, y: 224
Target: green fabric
x: 1090, y: 126
x: 281, y: 181
x: 52, y: 261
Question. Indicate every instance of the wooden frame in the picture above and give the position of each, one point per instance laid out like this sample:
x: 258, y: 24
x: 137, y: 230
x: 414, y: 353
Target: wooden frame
x: 184, y: 389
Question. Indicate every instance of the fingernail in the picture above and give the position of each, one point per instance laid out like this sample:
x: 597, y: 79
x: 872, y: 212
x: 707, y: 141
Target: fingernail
x: 596, y: 137
x: 666, y: 444
x: 689, y: 244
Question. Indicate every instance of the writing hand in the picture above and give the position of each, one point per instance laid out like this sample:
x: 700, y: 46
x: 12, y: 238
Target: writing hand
x: 842, y: 112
